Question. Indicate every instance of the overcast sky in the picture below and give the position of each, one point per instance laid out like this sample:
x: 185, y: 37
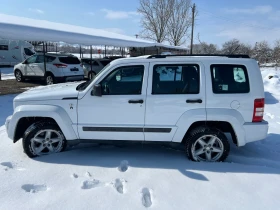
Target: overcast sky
x: 218, y: 20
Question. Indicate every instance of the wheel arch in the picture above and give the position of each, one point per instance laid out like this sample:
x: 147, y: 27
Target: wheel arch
x: 32, y: 113
x: 227, y: 120
x: 25, y: 122
x: 223, y: 126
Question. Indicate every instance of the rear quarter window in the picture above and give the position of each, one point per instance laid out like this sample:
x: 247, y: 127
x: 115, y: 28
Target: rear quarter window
x: 229, y: 79
x: 69, y: 60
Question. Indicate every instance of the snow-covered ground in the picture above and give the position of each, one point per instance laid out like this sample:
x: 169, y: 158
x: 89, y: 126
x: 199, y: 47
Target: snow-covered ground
x: 137, y: 177
x: 7, y: 73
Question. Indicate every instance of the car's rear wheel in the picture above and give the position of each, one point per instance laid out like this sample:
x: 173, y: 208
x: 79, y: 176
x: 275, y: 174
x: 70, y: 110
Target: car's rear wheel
x: 18, y: 75
x: 91, y: 75
x: 49, y: 80
x: 207, y: 144
x: 43, y: 138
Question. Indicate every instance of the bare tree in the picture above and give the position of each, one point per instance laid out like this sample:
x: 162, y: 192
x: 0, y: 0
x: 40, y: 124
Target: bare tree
x: 276, y: 52
x: 204, y: 48
x: 179, y: 22
x: 156, y: 14
x: 231, y: 47
x: 262, y: 52
x: 234, y: 46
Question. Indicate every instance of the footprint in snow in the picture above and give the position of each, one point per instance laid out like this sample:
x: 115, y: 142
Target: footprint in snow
x: 10, y: 165
x: 123, y: 166
x: 75, y: 176
x: 119, y: 185
x: 32, y: 188
x: 88, y: 174
x: 146, y: 197
x: 271, y: 116
x: 93, y: 183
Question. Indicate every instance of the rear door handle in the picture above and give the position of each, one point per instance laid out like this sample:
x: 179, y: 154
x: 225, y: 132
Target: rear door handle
x: 141, y: 101
x: 193, y: 101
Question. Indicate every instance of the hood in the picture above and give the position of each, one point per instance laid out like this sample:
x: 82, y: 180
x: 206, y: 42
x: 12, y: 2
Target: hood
x: 51, y: 92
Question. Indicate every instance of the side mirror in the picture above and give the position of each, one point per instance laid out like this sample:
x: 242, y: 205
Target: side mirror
x: 96, y: 90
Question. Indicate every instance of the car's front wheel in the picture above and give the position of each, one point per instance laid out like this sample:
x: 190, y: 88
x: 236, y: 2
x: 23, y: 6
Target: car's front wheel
x: 207, y: 144
x: 18, y: 75
x: 43, y: 138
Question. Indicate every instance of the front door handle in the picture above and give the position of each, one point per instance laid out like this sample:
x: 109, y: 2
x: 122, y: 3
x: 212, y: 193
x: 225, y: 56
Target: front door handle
x: 141, y: 101
x: 193, y: 101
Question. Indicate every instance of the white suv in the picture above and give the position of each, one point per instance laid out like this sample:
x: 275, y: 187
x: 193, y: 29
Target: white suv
x: 190, y: 100
x: 59, y: 68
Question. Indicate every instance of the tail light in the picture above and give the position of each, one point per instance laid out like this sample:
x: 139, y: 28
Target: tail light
x: 258, y: 110
x: 58, y: 65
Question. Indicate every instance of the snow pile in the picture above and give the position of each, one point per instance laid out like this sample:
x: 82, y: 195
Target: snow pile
x: 94, y: 176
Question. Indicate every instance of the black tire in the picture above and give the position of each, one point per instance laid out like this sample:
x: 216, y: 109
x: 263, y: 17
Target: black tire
x: 199, y: 132
x: 49, y: 79
x: 91, y: 75
x: 36, y: 128
x: 18, y: 75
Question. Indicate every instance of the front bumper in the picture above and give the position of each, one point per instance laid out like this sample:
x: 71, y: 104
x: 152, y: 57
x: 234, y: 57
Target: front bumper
x: 9, y: 130
x: 255, y: 131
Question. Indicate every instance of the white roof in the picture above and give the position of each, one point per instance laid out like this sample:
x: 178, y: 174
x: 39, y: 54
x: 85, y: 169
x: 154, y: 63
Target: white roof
x: 21, y: 28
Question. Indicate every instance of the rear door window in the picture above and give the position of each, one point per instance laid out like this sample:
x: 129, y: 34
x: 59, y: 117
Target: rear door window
x: 40, y: 59
x: 49, y: 59
x: 69, y: 60
x: 175, y: 79
x: 229, y: 79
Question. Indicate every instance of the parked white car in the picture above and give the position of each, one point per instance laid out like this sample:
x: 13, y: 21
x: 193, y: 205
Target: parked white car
x: 93, y: 67
x: 188, y: 100
x: 59, y: 68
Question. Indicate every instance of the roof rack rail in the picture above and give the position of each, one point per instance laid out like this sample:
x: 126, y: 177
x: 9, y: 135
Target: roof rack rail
x: 203, y: 55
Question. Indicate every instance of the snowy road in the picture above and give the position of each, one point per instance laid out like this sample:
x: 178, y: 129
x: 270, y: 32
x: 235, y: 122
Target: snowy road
x: 140, y: 177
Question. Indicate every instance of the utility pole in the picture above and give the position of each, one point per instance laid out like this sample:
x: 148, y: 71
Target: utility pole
x: 193, y: 12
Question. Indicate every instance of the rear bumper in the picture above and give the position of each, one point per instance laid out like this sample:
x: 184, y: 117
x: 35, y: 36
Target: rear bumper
x: 255, y: 131
x: 70, y: 78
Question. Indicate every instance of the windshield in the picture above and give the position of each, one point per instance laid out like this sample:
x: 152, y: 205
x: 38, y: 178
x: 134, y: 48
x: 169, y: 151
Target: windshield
x: 84, y: 85
x: 28, y: 52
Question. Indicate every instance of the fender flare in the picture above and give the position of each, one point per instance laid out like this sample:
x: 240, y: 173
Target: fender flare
x: 55, y: 112
x: 233, y: 117
x: 186, y: 120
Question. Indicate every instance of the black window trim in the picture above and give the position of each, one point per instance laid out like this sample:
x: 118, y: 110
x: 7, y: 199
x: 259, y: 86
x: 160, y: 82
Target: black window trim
x: 124, y: 67
x: 4, y: 47
x: 234, y: 66
x: 177, y: 64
